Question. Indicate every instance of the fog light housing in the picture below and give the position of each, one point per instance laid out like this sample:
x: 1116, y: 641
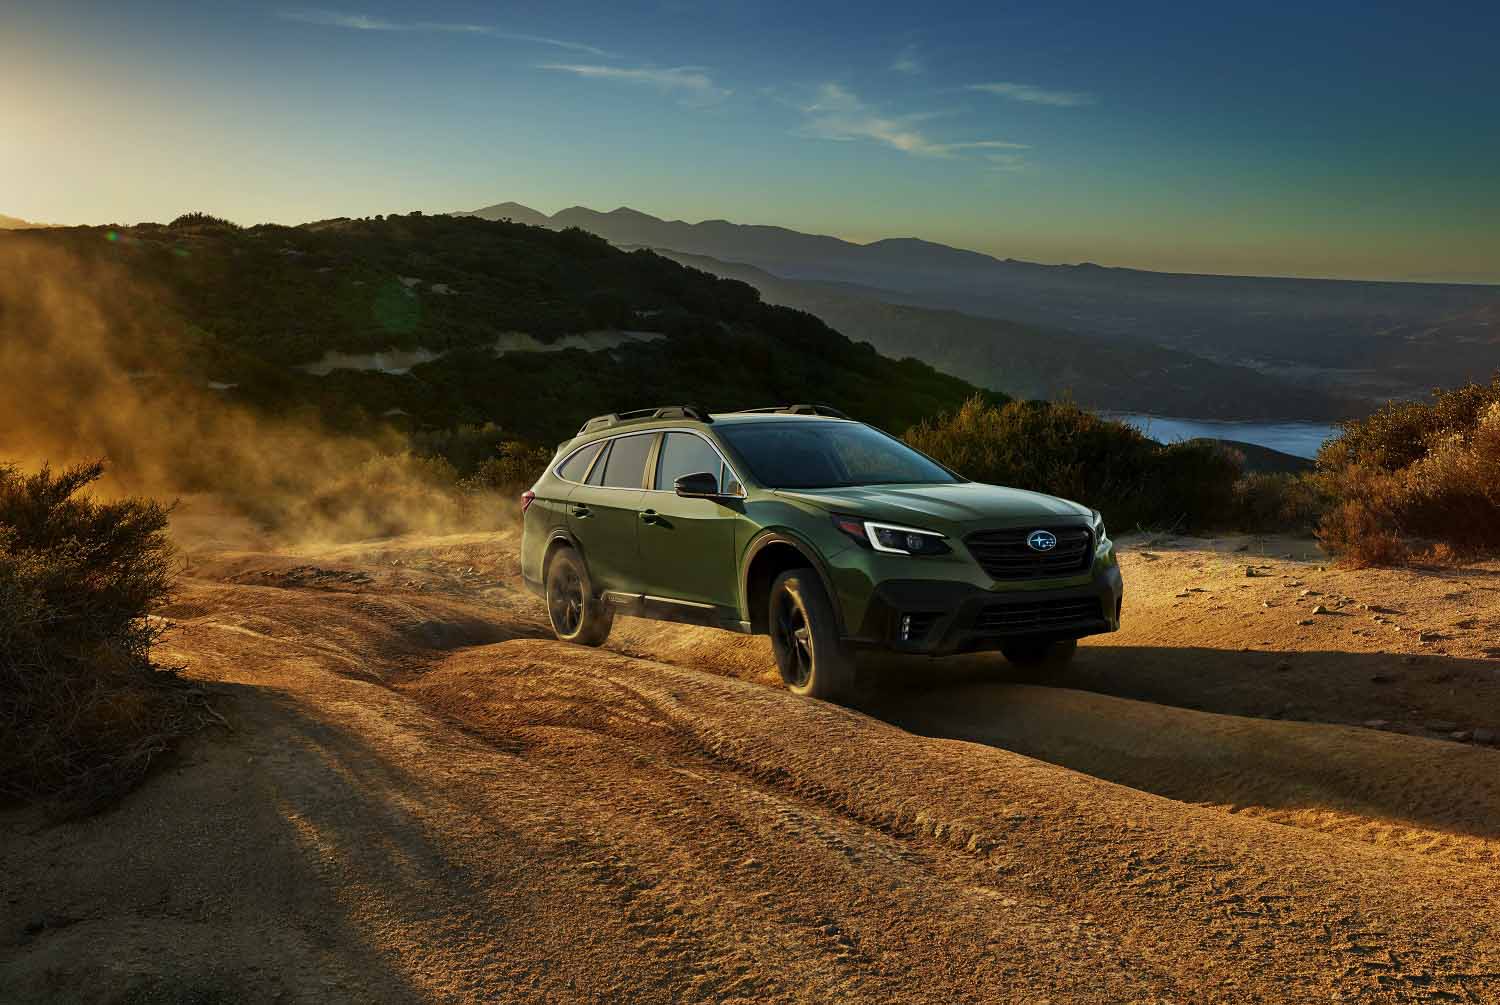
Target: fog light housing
x: 914, y: 626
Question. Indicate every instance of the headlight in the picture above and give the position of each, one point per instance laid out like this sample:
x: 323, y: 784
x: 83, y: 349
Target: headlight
x: 1099, y: 532
x: 892, y: 538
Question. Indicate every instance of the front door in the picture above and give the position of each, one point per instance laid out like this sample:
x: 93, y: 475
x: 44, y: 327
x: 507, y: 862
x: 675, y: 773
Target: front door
x: 605, y: 514
x: 687, y: 545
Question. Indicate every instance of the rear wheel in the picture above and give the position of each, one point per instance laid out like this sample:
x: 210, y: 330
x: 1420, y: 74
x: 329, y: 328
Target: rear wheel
x: 1040, y: 660
x: 576, y: 614
x: 814, y: 661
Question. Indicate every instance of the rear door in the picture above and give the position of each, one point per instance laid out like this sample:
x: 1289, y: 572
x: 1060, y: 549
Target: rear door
x: 605, y: 512
x: 687, y: 545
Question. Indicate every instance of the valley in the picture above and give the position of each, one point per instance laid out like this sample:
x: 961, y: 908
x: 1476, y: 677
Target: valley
x: 1197, y: 346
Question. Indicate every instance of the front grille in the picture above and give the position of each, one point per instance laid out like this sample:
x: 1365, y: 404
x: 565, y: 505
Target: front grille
x: 1038, y: 615
x: 1005, y: 555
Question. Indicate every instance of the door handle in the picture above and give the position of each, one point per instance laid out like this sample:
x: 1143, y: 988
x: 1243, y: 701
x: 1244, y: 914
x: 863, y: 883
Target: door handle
x: 648, y: 516
x: 580, y: 510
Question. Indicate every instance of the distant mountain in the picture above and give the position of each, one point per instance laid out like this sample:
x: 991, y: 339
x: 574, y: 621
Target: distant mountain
x: 1332, y: 338
x: 786, y: 252
x: 14, y: 223
x: 512, y: 211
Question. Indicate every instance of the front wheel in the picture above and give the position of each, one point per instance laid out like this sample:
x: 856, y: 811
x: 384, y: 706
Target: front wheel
x: 576, y: 614
x: 814, y: 661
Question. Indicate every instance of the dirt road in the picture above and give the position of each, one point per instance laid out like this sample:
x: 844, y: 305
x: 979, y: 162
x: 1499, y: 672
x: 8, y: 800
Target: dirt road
x: 424, y: 798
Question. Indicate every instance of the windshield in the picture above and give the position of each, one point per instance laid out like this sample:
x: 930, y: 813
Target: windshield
x: 819, y: 455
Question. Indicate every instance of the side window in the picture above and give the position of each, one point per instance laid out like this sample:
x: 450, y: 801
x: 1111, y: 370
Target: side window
x: 626, y: 464
x: 596, y: 476
x: 684, y: 454
x: 577, y: 464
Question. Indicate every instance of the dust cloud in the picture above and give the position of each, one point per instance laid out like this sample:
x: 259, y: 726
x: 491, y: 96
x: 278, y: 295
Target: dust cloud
x: 91, y: 366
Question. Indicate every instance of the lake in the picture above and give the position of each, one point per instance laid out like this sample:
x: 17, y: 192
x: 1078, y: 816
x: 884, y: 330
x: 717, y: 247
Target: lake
x: 1300, y: 439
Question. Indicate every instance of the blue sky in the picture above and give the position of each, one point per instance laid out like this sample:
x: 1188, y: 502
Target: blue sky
x: 1330, y: 139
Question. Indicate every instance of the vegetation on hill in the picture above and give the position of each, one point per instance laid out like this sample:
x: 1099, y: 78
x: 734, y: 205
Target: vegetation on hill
x: 83, y: 710
x: 247, y: 306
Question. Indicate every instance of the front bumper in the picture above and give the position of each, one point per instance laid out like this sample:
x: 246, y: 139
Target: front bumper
x: 940, y: 617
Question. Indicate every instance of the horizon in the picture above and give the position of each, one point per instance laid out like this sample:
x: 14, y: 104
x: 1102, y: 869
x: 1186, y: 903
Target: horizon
x: 1408, y: 281
x: 1220, y: 144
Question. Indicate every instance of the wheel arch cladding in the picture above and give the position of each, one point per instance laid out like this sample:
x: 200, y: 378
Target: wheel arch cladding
x: 770, y: 556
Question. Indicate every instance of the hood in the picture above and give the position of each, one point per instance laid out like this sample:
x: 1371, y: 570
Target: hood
x: 960, y: 502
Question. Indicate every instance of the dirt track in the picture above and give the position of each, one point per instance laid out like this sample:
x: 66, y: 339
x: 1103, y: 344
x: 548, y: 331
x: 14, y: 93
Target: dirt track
x: 425, y: 798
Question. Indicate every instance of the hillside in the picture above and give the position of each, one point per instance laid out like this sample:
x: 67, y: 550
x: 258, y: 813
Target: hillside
x: 1308, y: 338
x: 1031, y: 361
x: 15, y: 223
x: 434, y: 322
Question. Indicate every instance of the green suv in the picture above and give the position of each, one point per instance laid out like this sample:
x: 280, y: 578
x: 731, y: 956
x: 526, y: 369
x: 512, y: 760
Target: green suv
x: 827, y: 534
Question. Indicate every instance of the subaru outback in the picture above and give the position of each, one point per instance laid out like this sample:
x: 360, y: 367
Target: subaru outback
x: 826, y: 534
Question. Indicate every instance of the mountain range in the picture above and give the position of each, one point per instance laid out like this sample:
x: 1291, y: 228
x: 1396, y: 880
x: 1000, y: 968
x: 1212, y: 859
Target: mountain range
x: 15, y: 223
x: 1193, y: 345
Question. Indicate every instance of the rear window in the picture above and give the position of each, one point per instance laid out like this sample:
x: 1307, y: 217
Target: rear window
x: 625, y: 467
x: 685, y: 454
x: 577, y: 465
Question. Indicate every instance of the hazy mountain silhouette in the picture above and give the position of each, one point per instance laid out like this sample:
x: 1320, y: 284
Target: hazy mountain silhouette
x: 15, y: 223
x: 512, y: 211
x: 1329, y: 337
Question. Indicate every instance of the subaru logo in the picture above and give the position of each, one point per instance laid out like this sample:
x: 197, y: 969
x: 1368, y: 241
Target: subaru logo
x: 1041, y: 540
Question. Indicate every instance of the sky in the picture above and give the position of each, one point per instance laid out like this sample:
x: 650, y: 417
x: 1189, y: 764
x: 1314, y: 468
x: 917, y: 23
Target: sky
x: 1311, y: 139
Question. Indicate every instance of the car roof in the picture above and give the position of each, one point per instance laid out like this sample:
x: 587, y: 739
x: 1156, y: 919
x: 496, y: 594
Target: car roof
x: 714, y: 419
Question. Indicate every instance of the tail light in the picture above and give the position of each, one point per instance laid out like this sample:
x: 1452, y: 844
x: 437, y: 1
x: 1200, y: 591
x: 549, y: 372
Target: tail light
x: 527, y: 498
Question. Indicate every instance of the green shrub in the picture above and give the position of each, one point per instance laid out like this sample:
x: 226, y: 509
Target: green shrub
x: 1064, y: 450
x: 83, y: 711
x: 1268, y: 502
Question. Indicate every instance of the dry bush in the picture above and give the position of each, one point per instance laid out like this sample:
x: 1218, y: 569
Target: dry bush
x: 1447, y: 497
x: 83, y: 711
x: 516, y: 469
x: 1357, y: 532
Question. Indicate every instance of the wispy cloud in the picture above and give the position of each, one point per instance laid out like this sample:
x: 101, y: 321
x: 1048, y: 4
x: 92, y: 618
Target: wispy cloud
x: 838, y: 114
x: 1033, y: 95
x: 1007, y: 162
x: 363, y: 22
x: 908, y: 61
x: 692, y: 83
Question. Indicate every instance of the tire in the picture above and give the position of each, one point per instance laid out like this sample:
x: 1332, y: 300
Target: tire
x: 813, y: 660
x: 1040, y: 660
x: 575, y: 613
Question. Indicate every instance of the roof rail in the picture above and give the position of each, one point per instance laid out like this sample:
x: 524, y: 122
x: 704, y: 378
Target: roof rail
x: 827, y: 410
x: 644, y: 415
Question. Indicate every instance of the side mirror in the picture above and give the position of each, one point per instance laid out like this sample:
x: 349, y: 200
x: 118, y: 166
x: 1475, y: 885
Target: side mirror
x: 700, y: 485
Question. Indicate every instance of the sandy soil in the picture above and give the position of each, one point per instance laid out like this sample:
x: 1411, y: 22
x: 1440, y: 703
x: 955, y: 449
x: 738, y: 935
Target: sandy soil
x: 425, y: 798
